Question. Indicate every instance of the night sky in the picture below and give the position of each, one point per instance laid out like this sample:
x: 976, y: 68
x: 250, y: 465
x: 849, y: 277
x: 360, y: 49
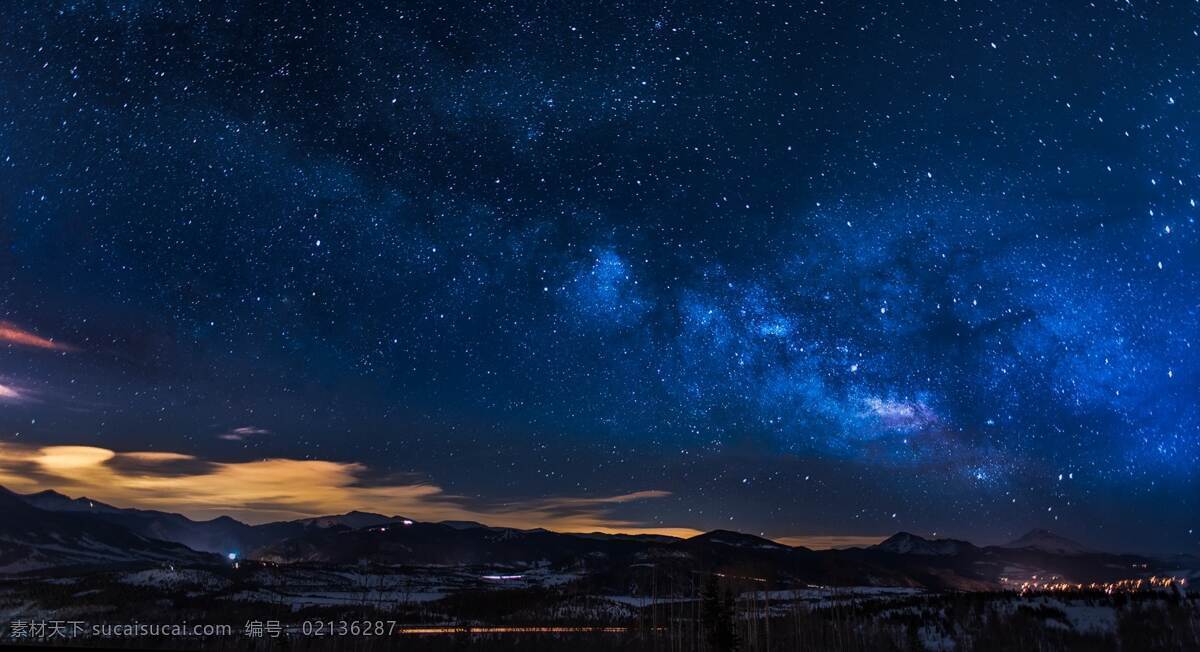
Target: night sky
x: 819, y: 269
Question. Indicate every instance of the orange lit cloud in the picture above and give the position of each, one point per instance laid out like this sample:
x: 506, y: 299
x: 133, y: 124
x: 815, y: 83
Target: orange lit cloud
x: 13, y: 334
x: 276, y: 489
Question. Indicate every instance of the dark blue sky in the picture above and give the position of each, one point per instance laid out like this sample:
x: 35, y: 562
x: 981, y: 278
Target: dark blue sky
x: 812, y: 269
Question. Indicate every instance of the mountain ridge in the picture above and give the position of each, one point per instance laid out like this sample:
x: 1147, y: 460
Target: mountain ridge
x: 32, y: 538
x: 908, y: 543
x: 1047, y: 541
x: 357, y: 538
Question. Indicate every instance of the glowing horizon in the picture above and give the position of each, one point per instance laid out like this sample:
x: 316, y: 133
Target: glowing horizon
x: 281, y: 489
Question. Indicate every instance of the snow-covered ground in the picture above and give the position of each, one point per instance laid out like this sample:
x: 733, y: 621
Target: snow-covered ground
x: 936, y: 622
x: 171, y: 577
x: 384, y: 588
x: 1081, y: 615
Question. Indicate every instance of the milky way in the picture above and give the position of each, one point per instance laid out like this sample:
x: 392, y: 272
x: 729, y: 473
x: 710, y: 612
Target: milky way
x: 790, y: 269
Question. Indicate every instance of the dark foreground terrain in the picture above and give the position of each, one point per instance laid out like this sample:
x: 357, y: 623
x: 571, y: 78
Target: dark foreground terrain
x: 79, y: 573
x: 100, y: 609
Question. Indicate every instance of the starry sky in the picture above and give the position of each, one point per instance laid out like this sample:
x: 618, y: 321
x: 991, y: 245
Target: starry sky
x: 799, y: 269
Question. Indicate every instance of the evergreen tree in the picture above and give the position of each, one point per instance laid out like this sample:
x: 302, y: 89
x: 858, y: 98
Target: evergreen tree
x: 718, y: 616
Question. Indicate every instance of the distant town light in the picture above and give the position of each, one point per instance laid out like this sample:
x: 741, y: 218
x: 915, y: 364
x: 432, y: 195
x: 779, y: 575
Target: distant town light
x: 232, y: 556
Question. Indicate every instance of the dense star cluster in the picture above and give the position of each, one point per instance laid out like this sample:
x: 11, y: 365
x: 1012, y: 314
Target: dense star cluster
x: 811, y: 268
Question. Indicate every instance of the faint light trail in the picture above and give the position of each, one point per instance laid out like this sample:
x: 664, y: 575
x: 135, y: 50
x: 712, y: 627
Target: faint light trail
x: 427, y: 631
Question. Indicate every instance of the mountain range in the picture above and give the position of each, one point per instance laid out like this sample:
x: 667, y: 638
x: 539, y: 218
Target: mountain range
x: 49, y: 530
x: 33, y: 538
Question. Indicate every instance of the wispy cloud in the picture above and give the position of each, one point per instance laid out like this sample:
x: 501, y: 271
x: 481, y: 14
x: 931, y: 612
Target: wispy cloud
x: 243, y: 433
x: 14, y: 392
x: 274, y: 489
x: 10, y: 393
x: 13, y: 334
